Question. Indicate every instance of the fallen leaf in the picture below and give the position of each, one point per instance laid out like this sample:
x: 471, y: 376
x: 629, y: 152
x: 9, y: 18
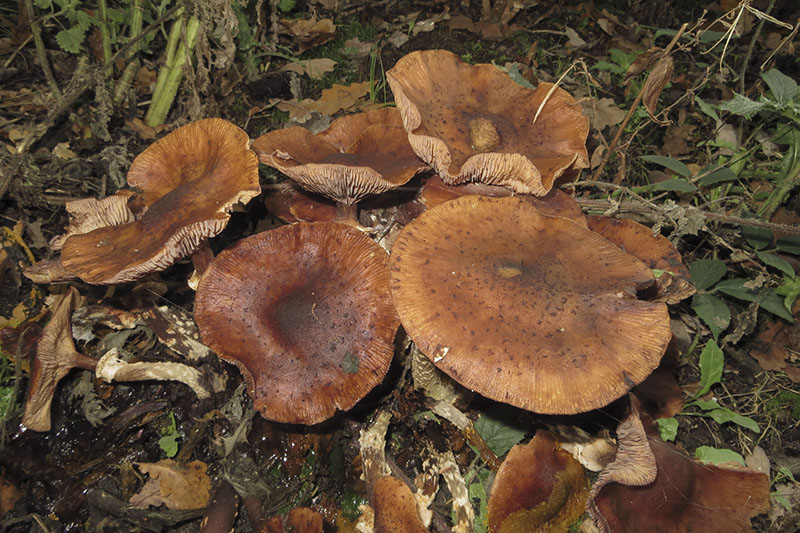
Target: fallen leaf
x: 398, y: 38
x: 757, y: 460
x: 575, y: 40
x: 175, y: 485
x: 676, y: 140
x: 340, y: 97
x: 62, y: 151
x: 602, y: 113
x: 655, y: 83
x: 355, y: 48
x: 314, y: 68
x: 777, y: 346
x: 309, y: 33
x: 144, y: 131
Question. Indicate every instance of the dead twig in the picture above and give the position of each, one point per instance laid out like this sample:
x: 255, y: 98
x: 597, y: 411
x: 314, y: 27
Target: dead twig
x: 41, y: 53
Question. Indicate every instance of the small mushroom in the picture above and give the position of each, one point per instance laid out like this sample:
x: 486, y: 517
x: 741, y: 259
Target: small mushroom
x: 188, y: 183
x: 527, y: 309
x: 358, y: 155
x: 55, y: 357
x: 474, y: 123
x: 305, y: 312
x: 298, y: 520
x: 395, y: 507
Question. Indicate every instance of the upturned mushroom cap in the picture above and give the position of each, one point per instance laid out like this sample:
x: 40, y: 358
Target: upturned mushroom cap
x: 55, y: 357
x: 539, y: 487
x: 674, y: 284
x: 304, y: 311
x: 526, y: 309
x: 474, y: 123
x: 358, y: 155
x: 190, y: 180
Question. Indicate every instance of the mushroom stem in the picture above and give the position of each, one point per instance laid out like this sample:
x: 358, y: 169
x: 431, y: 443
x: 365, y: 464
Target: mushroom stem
x: 347, y: 213
x: 201, y: 258
x: 483, y: 136
x: 111, y: 368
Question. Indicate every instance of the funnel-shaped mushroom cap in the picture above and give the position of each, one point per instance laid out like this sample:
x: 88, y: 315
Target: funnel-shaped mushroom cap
x: 524, y: 308
x: 474, y: 123
x: 358, y: 155
x: 190, y: 180
x: 304, y: 312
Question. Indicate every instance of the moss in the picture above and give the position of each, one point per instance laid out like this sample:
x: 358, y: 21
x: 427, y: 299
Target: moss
x: 786, y: 401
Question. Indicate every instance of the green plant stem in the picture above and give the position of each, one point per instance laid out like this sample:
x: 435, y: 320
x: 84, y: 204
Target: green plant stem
x: 172, y: 75
x: 104, y: 33
x: 137, y: 16
x: 780, y: 193
x: 133, y: 63
x: 41, y: 53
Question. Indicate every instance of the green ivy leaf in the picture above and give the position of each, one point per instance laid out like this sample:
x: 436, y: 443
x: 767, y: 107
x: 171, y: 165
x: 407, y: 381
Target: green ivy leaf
x: 499, y: 434
x: 713, y: 311
x: 776, y: 262
x: 670, y: 163
x: 712, y: 361
x: 707, y: 454
x: 742, y: 106
x: 706, y: 272
x: 783, y: 88
x: 667, y: 428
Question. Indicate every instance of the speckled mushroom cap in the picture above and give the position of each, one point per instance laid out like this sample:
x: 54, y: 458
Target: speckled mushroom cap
x: 304, y: 311
x: 189, y: 180
x: 358, y: 155
x: 524, y: 308
x: 474, y: 123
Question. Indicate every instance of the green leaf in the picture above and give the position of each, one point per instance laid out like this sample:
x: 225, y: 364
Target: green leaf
x: 286, y: 5
x: 776, y: 262
x: 758, y: 238
x: 244, y: 37
x: 771, y: 302
x: 735, y: 287
x: 711, y: 362
x: 499, y: 434
x: 722, y: 415
x: 43, y: 4
x: 742, y: 106
x: 790, y: 245
x: 667, y: 162
x: 70, y: 40
x: 706, y: 108
x: 477, y: 492
x: 667, y: 428
x: 790, y: 290
x: 707, y: 454
x: 514, y: 73
x: 706, y: 272
x: 784, y: 88
x: 673, y: 185
x: 713, y: 311
x: 169, y: 441
x: 720, y: 175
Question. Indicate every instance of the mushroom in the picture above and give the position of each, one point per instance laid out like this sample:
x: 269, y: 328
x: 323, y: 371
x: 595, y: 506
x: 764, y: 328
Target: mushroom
x: 474, y: 123
x: 683, y: 496
x: 524, y: 308
x: 304, y: 311
x: 298, y: 520
x: 395, y: 507
x: 189, y: 181
x: 539, y: 487
x: 55, y: 357
x: 358, y: 155
x: 674, y: 281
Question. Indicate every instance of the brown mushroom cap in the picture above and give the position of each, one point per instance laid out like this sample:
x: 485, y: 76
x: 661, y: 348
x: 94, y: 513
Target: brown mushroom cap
x: 395, y: 507
x: 539, y: 487
x: 55, y: 357
x: 655, y: 251
x: 474, y: 123
x: 190, y: 180
x: 358, y: 155
x: 526, y: 309
x: 304, y: 312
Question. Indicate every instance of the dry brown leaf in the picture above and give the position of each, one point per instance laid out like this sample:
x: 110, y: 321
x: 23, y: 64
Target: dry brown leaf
x: 356, y: 48
x: 175, y: 485
x: 643, y: 62
x: 675, y: 140
x: 310, y: 33
x: 144, y: 131
x: 777, y: 347
x: 340, y: 97
x: 62, y: 151
x: 655, y: 83
x: 603, y: 112
x: 314, y: 68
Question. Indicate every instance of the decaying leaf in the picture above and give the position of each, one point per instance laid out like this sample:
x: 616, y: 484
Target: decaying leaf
x: 309, y: 33
x: 777, y: 347
x: 314, y: 68
x: 602, y: 112
x: 175, y: 485
x: 655, y: 83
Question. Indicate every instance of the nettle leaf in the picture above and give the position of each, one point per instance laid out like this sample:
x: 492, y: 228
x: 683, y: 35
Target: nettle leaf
x: 706, y: 272
x: 70, y: 40
x: 667, y: 428
x: 499, y: 434
x: 670, y: 163
x: 720, y: 175
x: 776, y: 262
x: 707, y: 454
x: 742, y: 106
x: 713, y: 311
x: 767, y: 298
x: 784, y: 88
x: 770, y: 301
x: 736, y: 287
x: 712, y: 361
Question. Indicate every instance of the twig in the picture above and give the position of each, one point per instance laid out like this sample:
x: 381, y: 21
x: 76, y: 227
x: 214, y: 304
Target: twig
x: 612, y: 147
x: 41, y: 53
x: 751, y: 46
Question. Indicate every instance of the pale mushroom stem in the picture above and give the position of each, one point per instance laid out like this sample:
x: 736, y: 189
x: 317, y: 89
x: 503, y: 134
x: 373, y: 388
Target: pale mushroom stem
x: 201, y: 258
x: 347, y: 213
x: 483, y: 135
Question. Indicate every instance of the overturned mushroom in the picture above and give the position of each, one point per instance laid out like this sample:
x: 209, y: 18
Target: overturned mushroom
x: 474, y: 123
x: 304, y: 311
x: 526, y: 309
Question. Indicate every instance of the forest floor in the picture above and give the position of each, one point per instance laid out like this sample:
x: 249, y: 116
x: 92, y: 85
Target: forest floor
x: 707, y: 154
